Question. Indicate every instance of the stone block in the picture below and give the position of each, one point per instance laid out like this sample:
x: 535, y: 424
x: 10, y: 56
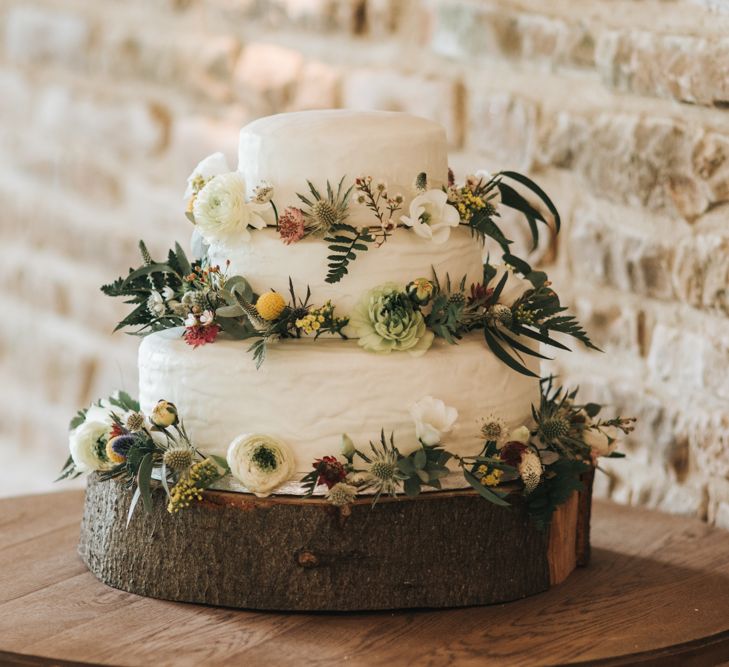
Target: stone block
x: 478, y: 31
x: 503, y: 128
x: 36, y: 35
x: 605, y: 248
x: 199, y: 63
x: 688, y: 68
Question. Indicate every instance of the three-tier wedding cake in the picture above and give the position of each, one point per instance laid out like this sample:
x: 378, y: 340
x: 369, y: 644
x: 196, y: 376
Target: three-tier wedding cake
x: 351, y: 327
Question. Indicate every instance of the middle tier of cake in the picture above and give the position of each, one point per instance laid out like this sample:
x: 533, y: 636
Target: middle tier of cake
x: 308, y: 393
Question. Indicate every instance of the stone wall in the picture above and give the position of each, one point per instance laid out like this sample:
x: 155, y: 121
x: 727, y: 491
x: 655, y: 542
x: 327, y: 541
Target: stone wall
x: 618, y: 106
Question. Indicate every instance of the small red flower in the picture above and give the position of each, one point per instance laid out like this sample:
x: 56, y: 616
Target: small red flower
x: 291, y: 225
x: 330, y: 471
x: 451, y: 178
x: 480, y: 294
x: 197, y: 335
x: 512, y: 452
x: 116, y: 430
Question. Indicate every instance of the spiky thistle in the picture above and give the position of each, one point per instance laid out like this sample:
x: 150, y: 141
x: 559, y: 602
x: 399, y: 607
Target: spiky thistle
x: 322, y: 213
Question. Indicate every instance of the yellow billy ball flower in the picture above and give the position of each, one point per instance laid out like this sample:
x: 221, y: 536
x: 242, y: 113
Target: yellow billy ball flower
x: 164, y: 414
x: 270, y: 305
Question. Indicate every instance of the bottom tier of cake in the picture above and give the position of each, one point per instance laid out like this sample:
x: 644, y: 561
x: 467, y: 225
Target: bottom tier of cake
x: 308, y: 393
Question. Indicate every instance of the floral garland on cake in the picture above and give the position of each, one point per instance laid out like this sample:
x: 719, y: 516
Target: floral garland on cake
x: 543, y: 463
x: 513, y: 306
x: 218, y: 206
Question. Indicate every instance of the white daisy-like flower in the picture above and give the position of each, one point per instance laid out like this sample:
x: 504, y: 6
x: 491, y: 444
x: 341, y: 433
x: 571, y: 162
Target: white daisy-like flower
x: 494, y: 429
x: 207, y: 317
x: 431, y: 216
x: 167, y: 293
x: 263, y: 193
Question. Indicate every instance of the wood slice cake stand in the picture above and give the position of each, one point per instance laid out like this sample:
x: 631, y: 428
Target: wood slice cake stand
x: 442, y: 549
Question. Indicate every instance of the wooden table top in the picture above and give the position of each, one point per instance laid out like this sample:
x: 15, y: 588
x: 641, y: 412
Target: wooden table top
x: 656, y: 593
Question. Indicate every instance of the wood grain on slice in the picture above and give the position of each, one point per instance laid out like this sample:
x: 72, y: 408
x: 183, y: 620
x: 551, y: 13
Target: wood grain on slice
x: 442, y: 549
x: 656, y: 592
x: 562, y: 548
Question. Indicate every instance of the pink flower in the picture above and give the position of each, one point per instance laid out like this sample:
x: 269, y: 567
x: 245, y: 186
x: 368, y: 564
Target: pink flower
x: 198, y: 334
x: 291, y: 225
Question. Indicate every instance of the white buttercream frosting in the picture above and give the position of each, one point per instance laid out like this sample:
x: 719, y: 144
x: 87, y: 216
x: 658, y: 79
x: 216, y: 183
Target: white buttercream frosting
x: 286, y: 150
x: 307, y: 393
x: 267, y: 264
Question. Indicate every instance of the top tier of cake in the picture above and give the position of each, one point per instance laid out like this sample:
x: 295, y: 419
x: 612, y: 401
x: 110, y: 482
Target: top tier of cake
x: 287, y: 150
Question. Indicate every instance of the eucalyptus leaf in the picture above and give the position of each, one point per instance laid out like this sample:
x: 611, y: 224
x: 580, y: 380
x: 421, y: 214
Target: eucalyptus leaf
x: 144, y: 476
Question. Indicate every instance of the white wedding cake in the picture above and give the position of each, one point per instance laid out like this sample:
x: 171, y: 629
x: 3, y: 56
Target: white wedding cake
x: 352, y: 323
x: 310, y: 391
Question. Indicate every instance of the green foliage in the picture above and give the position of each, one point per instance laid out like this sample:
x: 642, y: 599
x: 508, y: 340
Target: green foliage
x: 561, y: 480
x: 424, y: 467
x: 497, y: 498
x: 78, y: 419
x: 124, y: 402
x: 344, y: 242
x: 68, y: 471
x: 138, y: 285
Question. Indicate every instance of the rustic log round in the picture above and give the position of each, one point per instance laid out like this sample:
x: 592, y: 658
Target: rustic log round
x: 443, y: 549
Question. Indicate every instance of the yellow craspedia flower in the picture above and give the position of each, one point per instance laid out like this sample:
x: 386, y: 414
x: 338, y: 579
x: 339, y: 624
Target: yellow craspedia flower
x: 270, y: 305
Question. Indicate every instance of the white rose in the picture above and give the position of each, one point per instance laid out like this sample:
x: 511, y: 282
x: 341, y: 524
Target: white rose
x: 600, y: 441
x: 432, y: 419
x: 260, y: 462
x: 212, y: 166
x: 87, y: 444
x: 515, y: 285
x: 431, y: 216
x: 221, y: 210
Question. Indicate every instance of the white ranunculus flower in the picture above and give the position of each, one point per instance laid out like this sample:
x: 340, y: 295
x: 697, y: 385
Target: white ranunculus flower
x: 221, y: 210
x: 87, y: 444
x: 599, y: 441
x: 101, y: 412
x: 431, y: 216
x: 260, y: 462
x: 212, y: 166
x: 432, y: 419
x: 515, y: 285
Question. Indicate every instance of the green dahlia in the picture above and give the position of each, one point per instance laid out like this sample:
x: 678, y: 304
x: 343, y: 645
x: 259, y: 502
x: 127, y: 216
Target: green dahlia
x: 386, y: 320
